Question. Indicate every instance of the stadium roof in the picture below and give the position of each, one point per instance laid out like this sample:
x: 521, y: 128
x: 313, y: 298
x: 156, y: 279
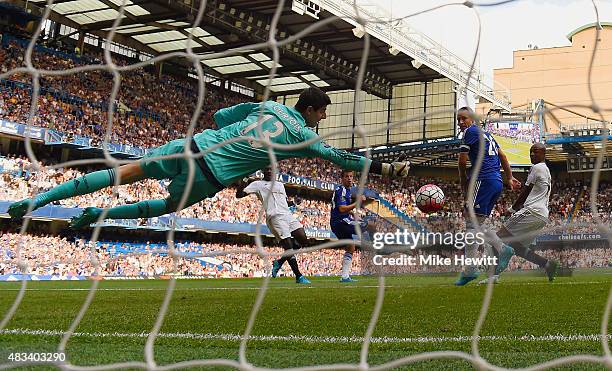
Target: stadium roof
x: 587, y: 26
x: 328, y: 57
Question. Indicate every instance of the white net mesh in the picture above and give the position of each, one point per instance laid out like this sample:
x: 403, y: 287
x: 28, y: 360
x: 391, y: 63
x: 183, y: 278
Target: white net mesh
x: 274, y: 44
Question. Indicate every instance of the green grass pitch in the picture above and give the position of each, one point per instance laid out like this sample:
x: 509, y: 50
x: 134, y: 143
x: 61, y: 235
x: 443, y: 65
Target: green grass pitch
x: 516, y: 151
x: 319, y: 324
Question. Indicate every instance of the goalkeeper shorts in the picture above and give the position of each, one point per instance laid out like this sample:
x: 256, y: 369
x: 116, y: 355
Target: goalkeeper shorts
x: 177, y: 170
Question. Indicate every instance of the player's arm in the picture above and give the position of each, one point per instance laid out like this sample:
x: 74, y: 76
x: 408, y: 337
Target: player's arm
x: 343, y: 204
x: 244, y: 189
x: 520, y: 201
x: 350, y: 161
x: 511, y: 181
x: 350, y: 207
x: 233, y: 114
x: 470, y: 138
x: 534, y: 176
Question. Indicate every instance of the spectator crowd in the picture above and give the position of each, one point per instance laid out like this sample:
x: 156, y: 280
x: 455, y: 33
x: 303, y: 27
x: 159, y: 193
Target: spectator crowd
x: 150, y: 110
x: 49, y: 255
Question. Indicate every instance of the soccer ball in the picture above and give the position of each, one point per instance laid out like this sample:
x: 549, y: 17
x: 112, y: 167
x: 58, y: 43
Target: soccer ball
x: 429, y: 198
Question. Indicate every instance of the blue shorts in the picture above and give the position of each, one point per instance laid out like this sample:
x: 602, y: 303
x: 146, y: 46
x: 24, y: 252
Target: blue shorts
x: 345, y: 229
x: 486, y: 193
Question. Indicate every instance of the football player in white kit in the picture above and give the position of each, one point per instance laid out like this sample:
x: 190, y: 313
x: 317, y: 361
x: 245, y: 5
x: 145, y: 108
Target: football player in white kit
x: 529, y: 214
x: 285, y: 227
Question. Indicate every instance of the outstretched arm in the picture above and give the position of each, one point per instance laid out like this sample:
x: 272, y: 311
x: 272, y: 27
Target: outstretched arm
x: 351, y: 161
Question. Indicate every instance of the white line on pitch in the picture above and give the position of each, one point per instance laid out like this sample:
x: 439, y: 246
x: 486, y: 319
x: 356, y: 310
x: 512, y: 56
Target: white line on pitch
x: 294, y: 287
x: 309, y: 339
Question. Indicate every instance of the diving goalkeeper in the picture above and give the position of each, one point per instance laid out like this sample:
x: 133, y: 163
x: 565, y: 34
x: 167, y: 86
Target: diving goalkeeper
x: 218, y: 168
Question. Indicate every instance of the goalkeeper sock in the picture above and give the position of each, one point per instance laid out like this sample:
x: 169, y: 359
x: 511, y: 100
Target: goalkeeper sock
x: 347, y: 260
x: 142, y: 209
x: 77, y: 187
x: 294, y: 266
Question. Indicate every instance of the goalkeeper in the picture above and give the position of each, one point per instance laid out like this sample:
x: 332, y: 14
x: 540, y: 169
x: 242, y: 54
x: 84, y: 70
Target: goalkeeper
x: 218, y: 168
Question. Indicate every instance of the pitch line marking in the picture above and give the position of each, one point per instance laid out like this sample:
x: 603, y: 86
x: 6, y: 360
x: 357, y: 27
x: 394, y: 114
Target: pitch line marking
x: 310, y: 339
x: 294, y: 287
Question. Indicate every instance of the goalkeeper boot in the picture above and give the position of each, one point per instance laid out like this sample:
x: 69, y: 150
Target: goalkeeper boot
x: 505, y: 255
x: 347, y: 280
x: 303, y: 280
x: 551, y: 269
x: 276, y: 266
x: 465, y: 279
x: 88, y: 216
x: 18, y: 209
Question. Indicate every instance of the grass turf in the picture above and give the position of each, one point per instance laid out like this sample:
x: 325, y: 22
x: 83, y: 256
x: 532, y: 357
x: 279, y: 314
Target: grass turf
x: 414, y: 307
x: 516, y: 151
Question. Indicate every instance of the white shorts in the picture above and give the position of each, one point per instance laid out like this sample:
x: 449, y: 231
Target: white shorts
x: 282, y: 225
x: 525, y: 225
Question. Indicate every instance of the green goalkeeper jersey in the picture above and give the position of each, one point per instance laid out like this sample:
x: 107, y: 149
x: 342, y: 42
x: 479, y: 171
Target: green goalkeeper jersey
x: 280, y: 124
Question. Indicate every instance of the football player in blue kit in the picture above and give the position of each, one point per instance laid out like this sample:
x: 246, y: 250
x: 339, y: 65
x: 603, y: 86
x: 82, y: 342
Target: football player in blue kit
x: 342, y: 222
x: 488, y: 186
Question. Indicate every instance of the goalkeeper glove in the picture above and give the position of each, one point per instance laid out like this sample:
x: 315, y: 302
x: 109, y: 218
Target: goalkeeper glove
x: 396, y: 169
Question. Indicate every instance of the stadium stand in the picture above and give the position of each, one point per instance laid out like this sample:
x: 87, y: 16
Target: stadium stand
x: 76, y: 104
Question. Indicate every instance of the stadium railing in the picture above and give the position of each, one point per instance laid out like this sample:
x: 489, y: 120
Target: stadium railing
x: 402, y: 216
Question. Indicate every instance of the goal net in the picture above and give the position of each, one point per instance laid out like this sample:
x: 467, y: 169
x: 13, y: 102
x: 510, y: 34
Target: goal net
x: 276, y: 43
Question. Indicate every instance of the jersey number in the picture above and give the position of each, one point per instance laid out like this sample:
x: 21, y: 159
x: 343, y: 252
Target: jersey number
x: 267, y: 133
x: 492, y: 146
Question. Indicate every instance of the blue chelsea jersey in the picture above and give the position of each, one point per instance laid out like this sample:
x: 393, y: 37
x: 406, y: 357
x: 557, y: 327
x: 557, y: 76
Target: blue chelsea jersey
x: 491, y: 164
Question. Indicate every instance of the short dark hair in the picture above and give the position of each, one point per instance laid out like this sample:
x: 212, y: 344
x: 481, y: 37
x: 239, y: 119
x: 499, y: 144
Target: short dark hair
x: 345, y: 171
x: 312, y: 97
x: 470, y: 113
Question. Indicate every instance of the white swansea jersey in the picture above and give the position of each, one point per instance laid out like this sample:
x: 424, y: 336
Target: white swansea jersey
x: 537, y: 201
x: 276, y: 204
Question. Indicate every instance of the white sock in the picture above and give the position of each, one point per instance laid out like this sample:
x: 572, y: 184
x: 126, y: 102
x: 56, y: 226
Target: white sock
x: 495, y: 241
x: 347, y: 260
x: 470, y: 252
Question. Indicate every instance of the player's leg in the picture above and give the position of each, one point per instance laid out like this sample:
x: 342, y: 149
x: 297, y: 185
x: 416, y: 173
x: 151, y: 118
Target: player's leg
x: 288, y: 244
x: 486, y: 193
x: 519, y: 232
x: 345, y: 231
x: 85, y: 184
x: 550, y: 266
x: 299, y: 235
x: 300, y: 240
x: 502, y: 251
x: 347, y: 262
x: 283, y: 226
x: 92, y: 182
x: 201, y: 188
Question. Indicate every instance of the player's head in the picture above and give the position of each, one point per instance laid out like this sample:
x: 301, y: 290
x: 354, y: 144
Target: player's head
x: 347, y: 178
x: 465, y: 117
x: 537, y: 153
x: 267, y: 173
x: 312, y: 104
